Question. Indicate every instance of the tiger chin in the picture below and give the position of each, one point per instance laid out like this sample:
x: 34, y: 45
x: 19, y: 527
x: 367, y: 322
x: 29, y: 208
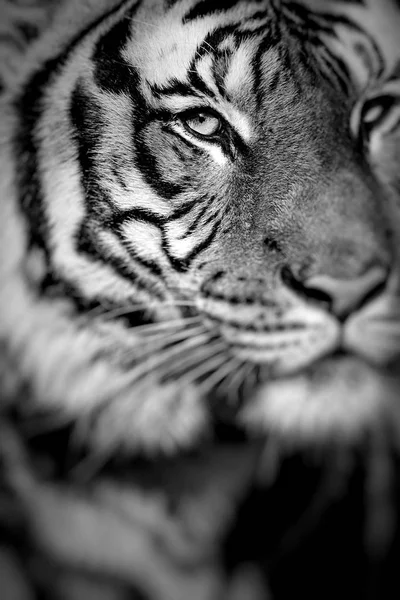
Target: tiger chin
x: 200, y: 224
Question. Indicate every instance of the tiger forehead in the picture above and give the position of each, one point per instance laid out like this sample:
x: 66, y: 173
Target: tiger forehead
x: 166, y: 43
x: 168, y: 48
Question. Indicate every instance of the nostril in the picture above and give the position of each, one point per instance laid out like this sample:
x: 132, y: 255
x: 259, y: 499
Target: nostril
x: 349, y: 295
x: 318, y: 295
x: 302, y: 289
x: 289, y: 279
x: 340, y: 296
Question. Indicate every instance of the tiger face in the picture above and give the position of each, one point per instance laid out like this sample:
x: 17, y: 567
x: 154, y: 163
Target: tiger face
x: 201, y: 222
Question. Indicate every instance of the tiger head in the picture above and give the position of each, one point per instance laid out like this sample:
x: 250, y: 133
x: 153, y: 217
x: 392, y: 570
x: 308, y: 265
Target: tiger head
x: 201, y: 221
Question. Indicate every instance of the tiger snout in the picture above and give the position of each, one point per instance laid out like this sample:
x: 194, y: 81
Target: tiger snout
x: 291, y: 327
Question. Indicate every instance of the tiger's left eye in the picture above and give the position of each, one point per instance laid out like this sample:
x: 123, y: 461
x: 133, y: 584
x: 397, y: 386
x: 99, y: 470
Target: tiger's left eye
x: 374, y: 113
x: 203, y: 123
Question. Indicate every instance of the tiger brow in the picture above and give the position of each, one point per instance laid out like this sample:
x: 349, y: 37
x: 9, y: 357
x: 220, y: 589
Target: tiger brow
x: 173, y: 87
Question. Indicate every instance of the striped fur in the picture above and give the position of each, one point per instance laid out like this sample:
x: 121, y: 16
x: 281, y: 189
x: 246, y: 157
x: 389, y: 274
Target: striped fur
x: 155, y: 305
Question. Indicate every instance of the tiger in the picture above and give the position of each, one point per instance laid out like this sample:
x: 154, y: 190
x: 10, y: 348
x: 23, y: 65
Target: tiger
x: 200, y: 326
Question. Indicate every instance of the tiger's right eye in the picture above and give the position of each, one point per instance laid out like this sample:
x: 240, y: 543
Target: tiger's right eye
x: 203, y: 123
x: 374, y: 113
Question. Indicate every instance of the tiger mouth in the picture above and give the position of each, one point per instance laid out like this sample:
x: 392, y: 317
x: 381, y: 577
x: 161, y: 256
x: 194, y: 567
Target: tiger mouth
x: 281, y: 349
x: 288, y: 349
x: 274, y: 358
x: 308, y: 366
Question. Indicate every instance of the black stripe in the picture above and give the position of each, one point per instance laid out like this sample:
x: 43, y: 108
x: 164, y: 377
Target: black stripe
x: 183, y: 264
x: 208, y: 46
x: 219, y: 71
x: 144, y: 216
x: 147, y: 216
x: 194, y: 78
x: 173, y: 86
x: 198, y: 217
x: 203, y: 245
x: 146, y: 162
x: 274, y: 82
x: 340, y: 68
x: 206, y: 8
x: 86, y: 118
x: 395, y: 127
x: 270, y: 41
x: 160, y: 221
x: 151, y: 266
x: 333, y: 69
x: 395, y: 73
x: 112, y: 72
x: 30, y: 109
x: 260, y: 15
x: 211, y: 217
x: 137, y: 214
x: 317, y: 23
x: 88, y: 123
x: 87, y: 244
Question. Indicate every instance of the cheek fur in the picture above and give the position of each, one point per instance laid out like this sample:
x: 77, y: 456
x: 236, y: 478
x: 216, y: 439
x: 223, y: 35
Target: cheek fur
x: 180, y: 161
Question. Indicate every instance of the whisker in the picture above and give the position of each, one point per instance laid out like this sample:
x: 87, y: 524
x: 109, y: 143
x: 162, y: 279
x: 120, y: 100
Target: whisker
x: 216, y: 377
x: 207, y: 51
x: 205, y: 367
x: 169, y: 353
x: 103, y: 311
x: 236, y: 373
x: 151, y: 358
x: 239, y: 376
x: 201, y: 360
x: 134, y: 308
x: 100, y: 309
x: 164, y: 340
x: 250, y: 378
x: 193, y: 359
x: 104, y: 308
x: 158, y: 339
x: 173, y: 323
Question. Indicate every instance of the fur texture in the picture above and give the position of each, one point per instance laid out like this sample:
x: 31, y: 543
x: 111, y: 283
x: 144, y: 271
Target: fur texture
x: 173, y: 298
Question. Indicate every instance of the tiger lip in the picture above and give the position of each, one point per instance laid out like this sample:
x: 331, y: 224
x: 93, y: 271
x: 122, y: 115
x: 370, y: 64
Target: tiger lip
x: 342, y: 350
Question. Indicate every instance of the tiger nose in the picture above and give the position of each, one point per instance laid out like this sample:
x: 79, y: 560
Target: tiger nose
x: 345, y: 296
x: 341, y: 296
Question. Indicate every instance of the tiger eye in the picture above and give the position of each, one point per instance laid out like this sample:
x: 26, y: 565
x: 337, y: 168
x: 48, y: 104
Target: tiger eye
x: 375, y: 111
x: 204, y: 124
